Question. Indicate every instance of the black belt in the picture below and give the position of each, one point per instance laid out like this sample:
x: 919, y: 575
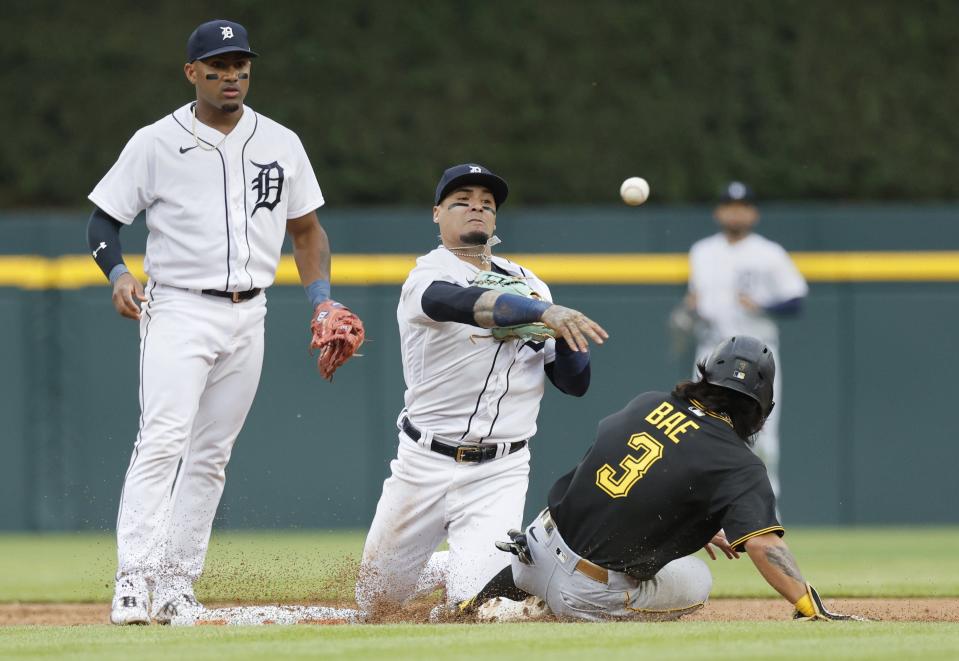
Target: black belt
x: 470, y: 453
x: 235, y: 296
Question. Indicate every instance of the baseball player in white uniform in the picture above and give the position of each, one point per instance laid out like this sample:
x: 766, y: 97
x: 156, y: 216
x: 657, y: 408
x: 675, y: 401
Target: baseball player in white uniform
x: 739, y: 282
x: 220, y: 185
x: 471, y: 403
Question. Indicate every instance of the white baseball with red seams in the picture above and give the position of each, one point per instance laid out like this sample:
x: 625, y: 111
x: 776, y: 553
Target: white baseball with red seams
x: 634, y: 191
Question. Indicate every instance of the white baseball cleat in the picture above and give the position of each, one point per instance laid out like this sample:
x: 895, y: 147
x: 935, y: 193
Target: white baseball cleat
x: 502, y: 609
x: 180, y: 609
x: 131, y: 601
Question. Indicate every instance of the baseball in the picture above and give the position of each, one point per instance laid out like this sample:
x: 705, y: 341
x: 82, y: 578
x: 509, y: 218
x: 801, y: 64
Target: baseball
x: 634, y: 191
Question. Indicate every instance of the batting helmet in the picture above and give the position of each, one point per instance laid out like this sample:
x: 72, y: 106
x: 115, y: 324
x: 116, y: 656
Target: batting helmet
x: 746, y: 365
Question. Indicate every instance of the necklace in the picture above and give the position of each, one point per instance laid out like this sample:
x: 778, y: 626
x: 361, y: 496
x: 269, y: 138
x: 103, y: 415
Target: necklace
x: 485, y: 259
x: 199, y: 143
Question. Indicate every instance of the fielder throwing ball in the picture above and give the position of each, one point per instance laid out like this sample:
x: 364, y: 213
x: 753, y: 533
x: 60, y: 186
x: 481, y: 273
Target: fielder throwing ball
x: 667, y: 475
x: 220, y: 183
x: 477, y: 342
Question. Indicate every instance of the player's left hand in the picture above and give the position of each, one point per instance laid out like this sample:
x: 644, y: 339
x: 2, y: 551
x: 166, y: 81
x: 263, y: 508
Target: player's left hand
x: 810, y: 607
x: 517, y: 545
x: 337, y: 333
x: 719, y: 540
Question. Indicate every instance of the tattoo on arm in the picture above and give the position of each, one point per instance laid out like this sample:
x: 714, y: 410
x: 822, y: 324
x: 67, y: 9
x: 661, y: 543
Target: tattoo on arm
x: 483, y: 309
x: 780, y: 557
x: 504, y: 309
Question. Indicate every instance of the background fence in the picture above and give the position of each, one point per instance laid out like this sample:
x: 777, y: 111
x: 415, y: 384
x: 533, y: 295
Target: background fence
x: 869, y: 366
x: 850, y: 104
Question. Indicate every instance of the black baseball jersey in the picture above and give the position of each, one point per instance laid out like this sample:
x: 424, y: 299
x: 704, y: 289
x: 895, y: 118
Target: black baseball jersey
x: 662, y: 478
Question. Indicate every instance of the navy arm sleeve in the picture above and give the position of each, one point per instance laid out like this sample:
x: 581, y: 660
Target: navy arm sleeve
x: 444, y: 301
x: 103, y: 237
x: 787, y: 308
x: 570, y: 371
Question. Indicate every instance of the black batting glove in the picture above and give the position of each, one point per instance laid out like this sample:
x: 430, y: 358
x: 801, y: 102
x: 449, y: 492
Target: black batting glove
x: 517, y: 546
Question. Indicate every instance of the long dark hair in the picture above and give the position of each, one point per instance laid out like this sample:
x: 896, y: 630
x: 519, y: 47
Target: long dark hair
x: 745, y: 413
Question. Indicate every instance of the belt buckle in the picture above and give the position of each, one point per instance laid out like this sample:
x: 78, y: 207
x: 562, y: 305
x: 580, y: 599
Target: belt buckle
x: 235, y: 297
x: 471, y: 454
x: 547, y: 520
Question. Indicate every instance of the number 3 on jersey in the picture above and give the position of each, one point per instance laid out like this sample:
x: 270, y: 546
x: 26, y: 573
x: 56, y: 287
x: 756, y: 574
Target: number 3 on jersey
x: 635, y: 468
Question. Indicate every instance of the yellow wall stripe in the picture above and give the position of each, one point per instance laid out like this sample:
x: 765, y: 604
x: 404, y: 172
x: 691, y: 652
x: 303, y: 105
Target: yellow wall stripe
x: 75, y: 271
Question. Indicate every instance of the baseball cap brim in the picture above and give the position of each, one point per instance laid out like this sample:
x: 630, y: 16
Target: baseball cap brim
x: 226, y: 49
x: 495, y: 184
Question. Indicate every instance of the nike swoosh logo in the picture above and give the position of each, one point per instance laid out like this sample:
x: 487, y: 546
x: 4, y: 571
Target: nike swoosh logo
x: 184, y: 150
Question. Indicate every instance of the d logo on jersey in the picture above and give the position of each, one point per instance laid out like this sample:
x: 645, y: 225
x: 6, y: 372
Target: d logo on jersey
x: 268, y: 185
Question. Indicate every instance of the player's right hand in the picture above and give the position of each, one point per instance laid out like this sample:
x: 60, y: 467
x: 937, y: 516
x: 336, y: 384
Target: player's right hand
x: 720, y: 541
x: 127, y: 295
x: 574, y: 327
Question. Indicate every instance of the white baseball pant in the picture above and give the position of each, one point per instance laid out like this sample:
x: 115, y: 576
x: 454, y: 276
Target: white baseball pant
x: 430, y: 497
x: 681, y: 587
x: 200, y: 360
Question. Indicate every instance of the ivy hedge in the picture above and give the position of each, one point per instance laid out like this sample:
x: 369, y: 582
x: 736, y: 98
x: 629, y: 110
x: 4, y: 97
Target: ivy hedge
x: 802, y: 98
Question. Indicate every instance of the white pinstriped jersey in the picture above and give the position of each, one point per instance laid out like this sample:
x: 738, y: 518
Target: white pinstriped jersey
x: 755, y: 266
x: 460, y: 383
x: 216, y: 218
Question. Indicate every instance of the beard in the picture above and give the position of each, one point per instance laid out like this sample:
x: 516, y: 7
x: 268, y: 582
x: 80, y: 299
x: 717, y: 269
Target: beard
x: 737, y: 233
x: 474, y: 238
x: 230, y: 107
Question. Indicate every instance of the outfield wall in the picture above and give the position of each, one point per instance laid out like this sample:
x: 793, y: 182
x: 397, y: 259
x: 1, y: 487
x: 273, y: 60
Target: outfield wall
x: 867, y: 366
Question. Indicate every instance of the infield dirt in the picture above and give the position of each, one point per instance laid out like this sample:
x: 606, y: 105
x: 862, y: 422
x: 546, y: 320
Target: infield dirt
x: 718, y: 610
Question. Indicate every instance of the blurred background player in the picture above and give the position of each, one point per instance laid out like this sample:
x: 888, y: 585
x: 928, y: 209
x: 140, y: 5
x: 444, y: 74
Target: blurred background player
x: 667, y: 475
x: 739, y: 282
x: 471, y: 403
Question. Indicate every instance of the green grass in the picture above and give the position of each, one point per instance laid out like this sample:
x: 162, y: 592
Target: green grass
x: 242, y: 566
x: 692, y: 640
x: 286, y: 566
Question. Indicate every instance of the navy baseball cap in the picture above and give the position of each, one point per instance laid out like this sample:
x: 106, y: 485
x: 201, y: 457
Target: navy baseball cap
x: 737, y: 191
x: 471, y: 173
x: 215, y: 38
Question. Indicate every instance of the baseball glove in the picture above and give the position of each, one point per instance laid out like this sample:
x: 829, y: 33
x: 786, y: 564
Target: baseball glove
x: 533, y: 332
x: 337, y: 333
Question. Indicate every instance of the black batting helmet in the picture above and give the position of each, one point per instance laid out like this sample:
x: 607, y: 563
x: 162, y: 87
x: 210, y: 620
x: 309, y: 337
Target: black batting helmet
x: 746, y: 365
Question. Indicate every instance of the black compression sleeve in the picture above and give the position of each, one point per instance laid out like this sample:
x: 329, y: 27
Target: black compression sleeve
x: 501, y: 585
x: 103, y: 237
x: 785, y: 308
x: 444, y: 301
x: 570, y: 371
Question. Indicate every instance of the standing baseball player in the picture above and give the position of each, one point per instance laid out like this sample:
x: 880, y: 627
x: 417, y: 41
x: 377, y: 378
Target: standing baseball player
x: 739, y: 283
x: 471, y: 401
x: 220, y: 184
x: 667, y: 475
